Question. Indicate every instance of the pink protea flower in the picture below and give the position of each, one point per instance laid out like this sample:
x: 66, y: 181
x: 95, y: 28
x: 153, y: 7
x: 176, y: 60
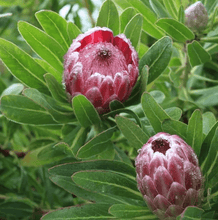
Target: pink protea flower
x: 168, y: 175
x: 196, y: 16
x: 101, y: 67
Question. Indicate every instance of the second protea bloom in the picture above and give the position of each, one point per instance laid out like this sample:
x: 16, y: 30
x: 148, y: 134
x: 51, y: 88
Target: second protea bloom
x: 101, y: 67
x: 196, y: 16
x: 168, y: 175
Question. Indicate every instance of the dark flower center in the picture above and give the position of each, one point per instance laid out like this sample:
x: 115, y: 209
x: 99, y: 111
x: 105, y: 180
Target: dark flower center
x: 160, y: 145
x: 104, y: 53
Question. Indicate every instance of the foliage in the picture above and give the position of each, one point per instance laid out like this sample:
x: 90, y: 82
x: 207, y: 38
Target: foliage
x: 90, y: 157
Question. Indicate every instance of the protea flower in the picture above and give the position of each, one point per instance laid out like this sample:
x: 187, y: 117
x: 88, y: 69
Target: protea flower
x: 101, y: 67
x: 168, y: 175
x: 196, y: 16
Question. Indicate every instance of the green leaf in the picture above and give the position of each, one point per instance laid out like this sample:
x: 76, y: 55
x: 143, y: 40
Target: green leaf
x: 175, y: 127
x: 22, y: 66
x: 177, y: 30
x: 195, y: 131
x: 121, y: 156
x: 60, y: 114
x: 212, y: 153
x: 210, y: 5
x: 97, y: 145
x: 23, y: 110
x: 135, y: 135
x: 56, y: 89
x: 88, y: 211
x: 133, y: 30
x: 154, y: 112
x: 2, y: 86
x: 157, y: 58
x: 209, y: 120
x: 192, y: 213
x: 174, y: 113
x: 85, y: 112
x: 55, y: 152
x: 158, y: 96
x: 181, y: 15
x: 14, y: 89
x: 206, y: 143
x: 109, y: 17
x: 55, y: 26
x: 197, y: 54
x: 149, y: 18
x: 171, y: 7
x: 122, y: 211
x: 109, y: 183
x: 73, y: 31
x: 44, y: 45
x: 159, y: 9
x: 125, y: 17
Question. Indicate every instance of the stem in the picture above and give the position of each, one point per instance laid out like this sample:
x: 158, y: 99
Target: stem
x: 187, y: 68
x: 89, y: 12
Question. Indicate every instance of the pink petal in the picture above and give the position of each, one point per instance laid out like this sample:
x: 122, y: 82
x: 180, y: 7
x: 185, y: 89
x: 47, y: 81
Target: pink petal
x: 107, y: 88
x: 149, y: 203
x: 74, y: 84
x: 157, y: 160
x: 161, y: 202
x: 176, y: 194
x: 175, y: 168
x: 160, y: 214
x: 190, y: 198
x: 174, y: 210
x: 193, y: 178
x: 94, y: 81
x: 124, y: 88
x: 94, y: 96
x: 162, y: 180
x: 190, y: 153
x: 149, y: 187
x: 124, y: 47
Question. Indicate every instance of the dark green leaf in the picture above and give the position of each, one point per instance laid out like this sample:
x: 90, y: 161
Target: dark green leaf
x: 14, y: 89
x: 85, y: 112
x: 209, y: 120
x: 22, y: 66
x: 56, y: 89
x: 159, y: 9
x: 121, y: 156
x: 23, y: 110
x: 149, y: 18
x: 125, y: 17
x: 108, y: 183
x: 73, y: 31
x: 44, y: 45
x: 171, y: 7
x: 157, y: 58
x: 158, y: 96
x: 109, y: 17
x: 175, y: 29
x: 192, y: 213
x: 55, y: 26
x: 181, y: 15
x: 133, y: 30
x: 97, y: 145
x: 197, y: 54
x: 122, y: 211
x: 174, y: 113
x: 175, y: 127
x: 135, y: 135
x: 154, y: 112
x: 88, y: 211
x: 194, y: 134
x: 60, y: 114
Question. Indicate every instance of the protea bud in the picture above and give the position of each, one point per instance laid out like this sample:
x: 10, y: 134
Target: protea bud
x: 196, y: 16
x: 168, y: 175
x: 101, y: 67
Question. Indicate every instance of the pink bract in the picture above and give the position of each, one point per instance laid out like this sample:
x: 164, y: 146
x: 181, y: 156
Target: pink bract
x: 168, y: 175
x: 101, y: 67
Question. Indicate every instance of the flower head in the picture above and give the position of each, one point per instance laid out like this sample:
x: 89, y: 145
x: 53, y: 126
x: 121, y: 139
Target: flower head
x: 196, y: 16
x: 168, y: 175
x: 101, y: 67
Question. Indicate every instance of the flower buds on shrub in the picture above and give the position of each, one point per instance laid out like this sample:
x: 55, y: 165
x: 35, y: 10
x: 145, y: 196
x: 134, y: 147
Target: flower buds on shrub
x: 168, y: 175
x: 101, y: 67
x: 196, y: 16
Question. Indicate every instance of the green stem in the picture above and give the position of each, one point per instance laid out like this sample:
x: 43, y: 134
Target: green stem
x: 187, y: 69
